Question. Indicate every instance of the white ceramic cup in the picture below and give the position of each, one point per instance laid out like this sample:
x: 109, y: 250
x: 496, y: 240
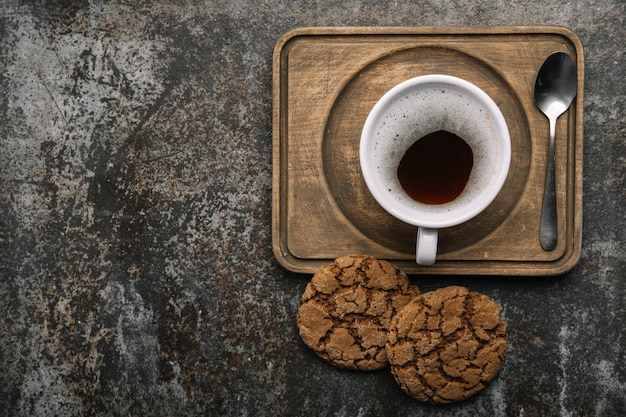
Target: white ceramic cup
x: 413, y: 109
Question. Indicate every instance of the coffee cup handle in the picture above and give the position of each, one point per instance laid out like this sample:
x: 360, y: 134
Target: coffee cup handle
x: 426, y: 246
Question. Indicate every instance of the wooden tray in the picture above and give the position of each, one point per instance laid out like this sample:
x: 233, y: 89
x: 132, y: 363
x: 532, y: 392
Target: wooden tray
x: 326, y: 81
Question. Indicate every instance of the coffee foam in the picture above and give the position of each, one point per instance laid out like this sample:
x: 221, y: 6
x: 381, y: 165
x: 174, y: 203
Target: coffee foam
x: 418, y: 113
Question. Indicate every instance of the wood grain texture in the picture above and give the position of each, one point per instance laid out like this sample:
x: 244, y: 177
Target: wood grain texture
x: 326, y: 81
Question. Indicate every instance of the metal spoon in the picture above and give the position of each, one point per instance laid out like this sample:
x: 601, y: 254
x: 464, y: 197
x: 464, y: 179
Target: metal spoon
x: 555, y: 89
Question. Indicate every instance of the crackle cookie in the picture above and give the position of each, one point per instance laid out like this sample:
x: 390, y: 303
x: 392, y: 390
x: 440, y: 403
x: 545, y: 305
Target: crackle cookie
x: 347, y: 309
x: 447, y: 345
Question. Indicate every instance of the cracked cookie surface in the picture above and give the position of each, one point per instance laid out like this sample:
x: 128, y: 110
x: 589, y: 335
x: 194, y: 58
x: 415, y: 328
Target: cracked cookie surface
x: 347, y: 309
x: 447, y: 345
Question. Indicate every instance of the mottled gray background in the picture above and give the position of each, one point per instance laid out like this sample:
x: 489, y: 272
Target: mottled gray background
x: 136, y: 270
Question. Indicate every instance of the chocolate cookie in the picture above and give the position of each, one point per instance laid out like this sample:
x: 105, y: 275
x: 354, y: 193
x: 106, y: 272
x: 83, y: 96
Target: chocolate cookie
x: 347, y: 309
x: 447, y: 345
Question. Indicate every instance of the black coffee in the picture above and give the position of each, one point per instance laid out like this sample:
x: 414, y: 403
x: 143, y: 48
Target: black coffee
x: 436, y: 168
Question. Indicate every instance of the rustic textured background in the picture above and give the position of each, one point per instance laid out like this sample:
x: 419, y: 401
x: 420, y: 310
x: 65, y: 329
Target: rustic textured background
x: 136, y: 271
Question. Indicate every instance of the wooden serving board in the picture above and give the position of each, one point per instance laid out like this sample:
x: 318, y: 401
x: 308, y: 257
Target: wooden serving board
x: 326, y: 80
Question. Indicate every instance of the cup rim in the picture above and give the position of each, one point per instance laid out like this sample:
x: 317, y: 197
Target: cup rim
x: 368, y: 132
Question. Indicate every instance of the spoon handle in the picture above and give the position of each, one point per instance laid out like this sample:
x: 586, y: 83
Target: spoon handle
x: 548, y: 227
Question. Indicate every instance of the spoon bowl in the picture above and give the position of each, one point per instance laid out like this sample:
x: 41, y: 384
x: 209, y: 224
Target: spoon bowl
x: 555, y: 88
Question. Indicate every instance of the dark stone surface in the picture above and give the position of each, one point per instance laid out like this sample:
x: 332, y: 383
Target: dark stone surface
x: 136, y: 271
